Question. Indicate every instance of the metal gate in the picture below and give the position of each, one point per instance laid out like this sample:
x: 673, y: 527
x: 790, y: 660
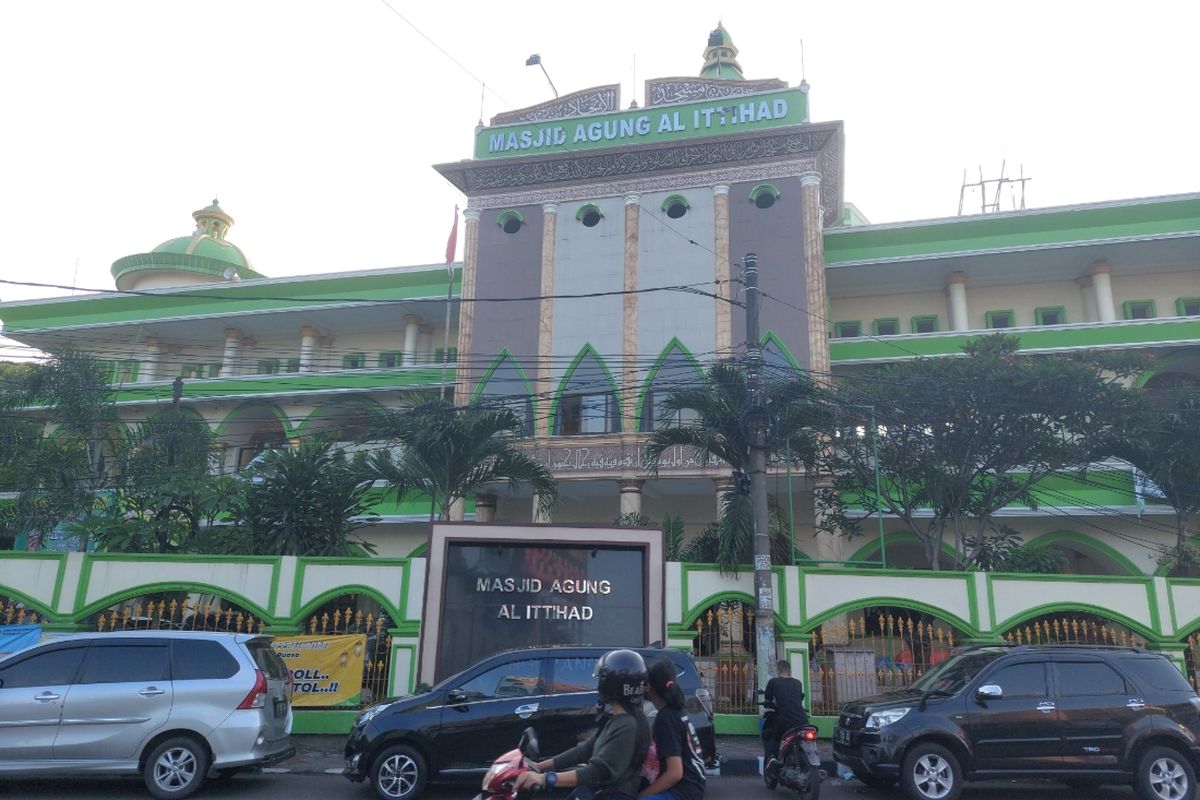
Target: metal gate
x: 1074, y: 628
x: 724, y: 650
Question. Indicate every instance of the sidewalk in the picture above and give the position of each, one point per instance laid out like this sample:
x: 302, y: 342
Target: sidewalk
x: 321, y: 755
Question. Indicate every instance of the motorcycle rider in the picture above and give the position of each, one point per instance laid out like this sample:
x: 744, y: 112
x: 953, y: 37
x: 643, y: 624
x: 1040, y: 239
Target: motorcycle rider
x: 680, y: 765
x: 785, y: 695
x: 611, y: 760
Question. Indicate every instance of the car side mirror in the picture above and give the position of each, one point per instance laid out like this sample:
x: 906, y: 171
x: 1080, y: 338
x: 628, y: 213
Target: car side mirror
x: 529, y: 744
x: 989, y: 691
x: 455, y: 697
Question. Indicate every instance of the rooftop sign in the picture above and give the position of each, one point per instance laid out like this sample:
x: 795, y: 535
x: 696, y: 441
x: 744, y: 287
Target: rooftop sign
x: 645, y: 125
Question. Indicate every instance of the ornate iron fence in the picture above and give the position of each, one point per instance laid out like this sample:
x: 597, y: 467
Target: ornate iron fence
x: 15, y: 613
x: 333, y: 621
x: 1191, y: 658
x: 1075, y: 628
x: 724, y: 652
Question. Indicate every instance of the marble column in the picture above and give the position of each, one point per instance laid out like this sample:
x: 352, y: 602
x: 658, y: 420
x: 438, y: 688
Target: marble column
x: 545, y: 366
x: 150, y: 364
x: 485, y: 507
x: 1101, y: 274
x: 425, y: 344
x: 1087, y: 294
x: 229, y: 359
x: 629, y: 355
x: 722, y: 485
x: 724, y: 309
x: 412, y: 324
x: 816, y: 294
x: 956, y: 291
x: 631, y: 496
x: 466, y: 309
x: 308, y: 344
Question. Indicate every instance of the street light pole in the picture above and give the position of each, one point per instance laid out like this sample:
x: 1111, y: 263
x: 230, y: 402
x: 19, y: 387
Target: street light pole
x: 758, y: 426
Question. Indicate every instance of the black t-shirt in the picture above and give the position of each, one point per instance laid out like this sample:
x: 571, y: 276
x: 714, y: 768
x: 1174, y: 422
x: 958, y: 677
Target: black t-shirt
x: 674, y: 735
x: 788, y: 696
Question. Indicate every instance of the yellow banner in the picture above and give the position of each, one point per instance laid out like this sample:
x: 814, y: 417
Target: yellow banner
x: 326, y: 670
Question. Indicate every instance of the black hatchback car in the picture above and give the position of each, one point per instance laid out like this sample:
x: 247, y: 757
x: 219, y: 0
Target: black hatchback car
x: 1084, y: 715
x: 453, y: 732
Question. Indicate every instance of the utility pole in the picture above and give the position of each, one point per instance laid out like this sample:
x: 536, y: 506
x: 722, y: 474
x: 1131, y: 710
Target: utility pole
x: 759, y: 429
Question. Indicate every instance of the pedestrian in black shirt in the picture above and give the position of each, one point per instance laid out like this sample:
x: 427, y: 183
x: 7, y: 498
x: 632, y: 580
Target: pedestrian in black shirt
x: 680, y: 765
x: 785, y: 696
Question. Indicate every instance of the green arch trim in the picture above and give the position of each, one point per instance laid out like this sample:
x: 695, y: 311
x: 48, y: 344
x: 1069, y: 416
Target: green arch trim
x: 761, y: 188
x: 1086, y: 540
x: 584, y: 351
x: 504, y: 354
x: 895, y: 537
x: 41, y: 608
x: 350, y: 588
x: 671, y: 200
x: 585, y: 208
x: 663, y: 355
x: 1166, y: 364
x: 342, y: 402
x: 967, y: 629
x: 169, y: 586
x: 505, y: 216
x: 253, y: 405
x: 420, y: 551
x: 770, y: 338
x: 728, y: 594
x: 1146, y: 633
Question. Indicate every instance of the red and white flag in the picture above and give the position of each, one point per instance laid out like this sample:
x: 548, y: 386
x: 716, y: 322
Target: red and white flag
x: 452, y: 242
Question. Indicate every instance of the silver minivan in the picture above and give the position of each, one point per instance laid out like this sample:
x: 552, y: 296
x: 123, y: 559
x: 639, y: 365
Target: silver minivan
x: 170, y: 705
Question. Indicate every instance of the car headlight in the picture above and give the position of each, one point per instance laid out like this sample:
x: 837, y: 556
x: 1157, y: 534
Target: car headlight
x: 882, y: 718
x: 370, y: 714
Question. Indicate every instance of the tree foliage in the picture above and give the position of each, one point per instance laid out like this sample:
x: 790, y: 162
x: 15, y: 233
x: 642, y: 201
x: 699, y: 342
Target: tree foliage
x: 447, y: 451
x: 958, y: 439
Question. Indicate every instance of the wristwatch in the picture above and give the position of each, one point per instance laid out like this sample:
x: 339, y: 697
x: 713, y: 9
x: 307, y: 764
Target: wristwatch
x: 551, y: 779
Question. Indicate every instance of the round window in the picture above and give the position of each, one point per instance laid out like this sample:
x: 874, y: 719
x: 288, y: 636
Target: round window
x: 591, y: 218
x: 677, y: 209
x: 512, y: 225
x: 765, y: 199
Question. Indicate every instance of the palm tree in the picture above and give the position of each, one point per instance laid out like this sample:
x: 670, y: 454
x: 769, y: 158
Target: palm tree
x: 717, y: 430
x: 447, y: 451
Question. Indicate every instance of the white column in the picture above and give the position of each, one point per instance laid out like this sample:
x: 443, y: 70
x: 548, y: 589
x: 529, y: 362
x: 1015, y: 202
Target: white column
x: 149, y: 368
x: 956, y: 291
x: 1101, y: 273
x: 425, y: 344
x: 1088, y: 295
x: 631, y: 496
x: 485, y: 507
x: 723, y: 485
x: 246, y: 348
x: 412, y: 324
x: 233, y: 338
x: 308, y: 343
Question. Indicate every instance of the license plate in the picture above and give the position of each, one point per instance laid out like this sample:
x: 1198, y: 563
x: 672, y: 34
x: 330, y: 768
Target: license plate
x: 842, y: 736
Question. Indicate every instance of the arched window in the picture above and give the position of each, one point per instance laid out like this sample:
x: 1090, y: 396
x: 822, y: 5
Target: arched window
x: 588, y: 403
x: 510, y: 221
x: 675, y: 370
x: 675, y: 206
x: 505, y: 385
x: 764, y: 195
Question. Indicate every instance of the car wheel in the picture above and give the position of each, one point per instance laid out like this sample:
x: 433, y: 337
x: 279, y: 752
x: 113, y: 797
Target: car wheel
x: 875, y: 781
x: 175, y: 768
x: 931, y: 772
x: 398, y: 773
x: 1163, y: 774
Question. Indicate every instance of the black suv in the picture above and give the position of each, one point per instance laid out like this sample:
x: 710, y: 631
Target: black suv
x: 453, y: 732
x: 1085, y: 715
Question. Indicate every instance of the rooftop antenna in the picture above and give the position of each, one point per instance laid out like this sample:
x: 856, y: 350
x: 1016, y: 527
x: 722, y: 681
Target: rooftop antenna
x: 996, y: 188
x: 537, y: 59
x: 633, y: 103
x: 803, y: 76
x: 482, y: 94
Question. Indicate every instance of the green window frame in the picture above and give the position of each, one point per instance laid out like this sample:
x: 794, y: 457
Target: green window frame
x: 1187, y: 307
x: 764, y: 195
x: 510, y: 221
x: 354, y: 361
x: 267, y: 366
x: 847, y: 329
x: 127, y: 371
x: 437, y: 355
x: 589, y: 215
x: 994, y: 318
x: 110, y: 369
x: 191, y: 370
x: 213, y: 370
x: 396, y: 357
x: 292, y: 365
x: 1132, y: 307
x: 1057, y: 315
x: 885, y: 326
x: 674, y: 202
x: 924, y: 320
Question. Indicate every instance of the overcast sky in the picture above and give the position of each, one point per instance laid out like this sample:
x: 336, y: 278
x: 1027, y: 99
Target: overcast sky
x: 316, y: 123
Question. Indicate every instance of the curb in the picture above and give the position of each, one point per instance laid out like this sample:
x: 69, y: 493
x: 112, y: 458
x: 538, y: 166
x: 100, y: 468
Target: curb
x: 740, y: 766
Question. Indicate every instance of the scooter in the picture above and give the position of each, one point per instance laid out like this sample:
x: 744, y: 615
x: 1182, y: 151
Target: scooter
x: 499, y: 780
x: 798, y: 766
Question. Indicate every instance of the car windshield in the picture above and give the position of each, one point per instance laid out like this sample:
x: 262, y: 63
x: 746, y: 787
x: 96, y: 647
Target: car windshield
x: 951, y: 676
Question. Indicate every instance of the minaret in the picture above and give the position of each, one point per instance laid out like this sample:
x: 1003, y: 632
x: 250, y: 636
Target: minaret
x: 720, y: 57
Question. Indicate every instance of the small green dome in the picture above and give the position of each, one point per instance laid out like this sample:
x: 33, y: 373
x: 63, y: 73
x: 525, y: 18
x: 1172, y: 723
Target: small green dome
x: 203, y: 257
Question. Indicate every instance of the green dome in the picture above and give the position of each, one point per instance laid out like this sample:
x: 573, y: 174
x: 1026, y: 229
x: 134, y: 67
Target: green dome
x: 203, y: 257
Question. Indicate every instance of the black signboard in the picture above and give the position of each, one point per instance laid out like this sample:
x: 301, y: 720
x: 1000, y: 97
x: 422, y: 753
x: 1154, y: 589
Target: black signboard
x: 502, y: 595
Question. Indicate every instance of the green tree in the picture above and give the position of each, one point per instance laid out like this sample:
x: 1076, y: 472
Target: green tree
x: 304, y: 501
x: 446, y: 452
x: 716, y: 411
x: 958, y: 439
x: 68, y: 399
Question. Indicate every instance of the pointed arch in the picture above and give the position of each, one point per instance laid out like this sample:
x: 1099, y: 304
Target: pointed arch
x: 198, y: 587
x: 506, y: 384
x: 889, y: 540
x: 244, y: 410
x: 587, y: 387
x: 1123, y: 564
x: 504, y: 356
x: 1033, y: 613
x: 777, y: 355
x: 683, y: 367
x: 333, y: 414
x: 390, y: 608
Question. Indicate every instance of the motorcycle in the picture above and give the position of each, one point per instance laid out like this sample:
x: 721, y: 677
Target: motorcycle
x: 798, y: 766
x: 499, y: 779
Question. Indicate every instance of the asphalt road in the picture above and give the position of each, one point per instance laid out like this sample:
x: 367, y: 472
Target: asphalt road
x: 334, y: 787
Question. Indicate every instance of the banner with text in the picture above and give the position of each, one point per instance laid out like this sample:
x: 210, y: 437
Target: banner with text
x: 326, y: 670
